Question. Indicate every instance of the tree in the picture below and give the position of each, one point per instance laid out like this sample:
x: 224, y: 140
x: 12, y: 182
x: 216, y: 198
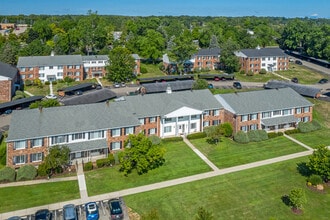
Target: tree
x: 57, y: 159
x: 319, y: 162
x: 226, y: 129
x: 228, y: 58
x: 121, y: 65
x: 297, y: 198
x: 203, y: 214
x: 45, y: 103
x: 141, y: 155
x: 152, y: 45
x: 200, y: 84
x: 184, y: 46
x: 8, y: 52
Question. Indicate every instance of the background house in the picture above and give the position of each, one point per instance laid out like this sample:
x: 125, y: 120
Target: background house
x: 208, y: 58
x: 9, y: 81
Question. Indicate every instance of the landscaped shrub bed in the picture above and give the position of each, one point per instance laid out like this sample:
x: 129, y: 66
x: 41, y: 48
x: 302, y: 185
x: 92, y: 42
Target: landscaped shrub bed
x: 105, y: 162
x: 293, y: 131
x: 257, y: 135
x: 274, y: 134
x: 241, y: 137
x: 305, y: 127
x: 196, y: 135
x: 27, y: 172
x: 88, y: 166
x: 7, y: 174
x: 173, y: 139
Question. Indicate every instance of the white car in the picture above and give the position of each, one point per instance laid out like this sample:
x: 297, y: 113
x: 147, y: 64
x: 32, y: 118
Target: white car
x: 51, y: 96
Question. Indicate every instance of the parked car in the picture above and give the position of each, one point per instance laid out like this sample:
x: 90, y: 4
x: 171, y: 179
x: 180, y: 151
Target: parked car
x: 51, y: 96
x: 92, y: 211
x: 14, y: 218
x: 322, y: 81
x: 98, y: 86
x: 122, y: 84
x: 298, y: 62
x: 43, y: 214
x: 237, y: 85
x: 116, y: 211
x: 79, y: 92
x: 70, y: 212
x: 116, y: 85
x: 294, y: 80
x: 8, y: 111
x: 210, y: 86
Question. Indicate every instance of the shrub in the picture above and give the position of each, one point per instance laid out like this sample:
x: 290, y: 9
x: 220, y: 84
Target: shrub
x: 257, y: 135
x: 155, y: 140
x: 105, y: 162
x: 315, y: 179
x: 305, y: 127
x: 226, y: 129
x: 43, y: 170
x: 7, y: 174
x: 173, y: 139
x: 54, y: 82
x: 27, y: 172
x: 250, y: 73
x: 47, y: 83
x: 19, y: 92
x: 293, y: 131
x: 143, y: 69
x: 262, y: 71
x: 242, y: 72
x: 241, y: 137
x: 196, y: 135
x: 274, y: 134
x: 88, y: 166
x: 60, y: 81
x: 28, y: 82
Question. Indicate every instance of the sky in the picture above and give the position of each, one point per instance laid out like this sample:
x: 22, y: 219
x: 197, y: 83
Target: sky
x: 227, y: 8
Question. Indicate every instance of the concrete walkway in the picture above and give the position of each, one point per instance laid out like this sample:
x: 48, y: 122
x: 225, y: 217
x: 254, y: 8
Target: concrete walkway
x: 28, y: 93
x: 99, y: 81
x: 298, y: 142
x: 283, y: 77
x: 82, y: 183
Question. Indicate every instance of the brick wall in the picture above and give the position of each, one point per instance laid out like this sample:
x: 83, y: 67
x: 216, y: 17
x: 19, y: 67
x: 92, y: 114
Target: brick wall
x: 6, y: 90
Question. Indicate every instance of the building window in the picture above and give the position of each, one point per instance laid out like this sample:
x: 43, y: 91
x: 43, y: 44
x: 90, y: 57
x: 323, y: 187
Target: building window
x: 78, y: 136
x: 243, y: 128
x: 142, y: 121
x: 93, y: 61
x: 21, y: 159
x: 23, y: 76
x: 41, y: 68
x: 30, y: 76
x: 115, y: 132
x: 287, y: 112
x: 37, y: 142
x: 206, y: 113
x: 195, y: 117
x: 254, y: 127
x: 20, y: 145
x: 266, y: 114
x: 306, y: 119
x: 115, y: 145
x: 254, y: 116
x: 152, y: 131
x: 244, y: 117
x: 59, y: 74
x: 60, y: 67
x: 183, y: 118
x: 41, y: 75
x: 263, y: 64
x: 216, y: 112
x: 167, y: 129
x: 30, y: 68
x: 129, y: 130
x: 87, y: 69
x: 193, y: 125
x: 36, y: 157
x: 100, y: 61
x: 277, y: 113
x: 298, y: 110
x: 22, y: 69
x: 263, y: 59
x: 206, y: 123
x: 77, y: 73
x: 50, y: 67
x: 69, y: 66
x: 169, y: 120
x: 306, y: 109
x: 77, y: 66
x: 95, y: 135
x: 69, y: 73
x: 215, y: 122
x: 59, y: 139
x: 152, y: 119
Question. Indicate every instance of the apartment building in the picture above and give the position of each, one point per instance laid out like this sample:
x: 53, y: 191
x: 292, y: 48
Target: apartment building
x: 270, y: 110
x: 208, y: 58
x: 95, y: 66
x: 94, y: 130
x: 270, y: 59
x: 9, y: 81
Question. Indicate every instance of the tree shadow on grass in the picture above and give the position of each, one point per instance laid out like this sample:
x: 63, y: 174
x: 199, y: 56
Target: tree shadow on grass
x: 303, y: 169
x: 286, y: 200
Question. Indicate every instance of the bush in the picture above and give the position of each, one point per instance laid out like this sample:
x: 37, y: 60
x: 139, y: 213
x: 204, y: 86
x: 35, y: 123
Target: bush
x: 262, y: 71
x: 293, y: 131
x: 305, y: 127
x: 88, y: 166
x: 20, y: 93
x: 173, y: 139
x: 315, y: 179
x: 241, y: 137
x: 7, y: 174
x: 60, y: 81
x: 47, y: 83
x: 274, y: 134
x: 257, y: 135
x: 28, y: 82
x: 242, y: 72
x: 68, y: 79
x: 226, y: 129
x: 105, y: 162
x: 155, y: 140
x: 54, y: 82
x: 143, y: 70
x: 26, y: 172
x: 250, y: 73
x: 43, y: 170
x: 196, y: 135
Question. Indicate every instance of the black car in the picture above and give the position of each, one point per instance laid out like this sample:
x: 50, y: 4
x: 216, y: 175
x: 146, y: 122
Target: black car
x: 237, y: 85
x: 43, y: 214
x: 322, y: 81
x: 294, y: 80
x: 116, y: 211
x: 298, y: 62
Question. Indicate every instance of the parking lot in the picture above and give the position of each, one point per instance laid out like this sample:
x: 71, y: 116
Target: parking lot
x: 104, y: 212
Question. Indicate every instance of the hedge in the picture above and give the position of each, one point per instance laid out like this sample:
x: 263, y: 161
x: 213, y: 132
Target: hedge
x: 305, y: 127
x: 274, y: 134
x: 43, y: 170
x: 155, y: 139
x: 88, y: 166
x: 27, y: 172
x: 7, y: 174
x: 105, y: 162
x: 196, y: 135
x: 241, y: 137
x: 257, y: 135
x: 173, y: 139
x: 293, y: 131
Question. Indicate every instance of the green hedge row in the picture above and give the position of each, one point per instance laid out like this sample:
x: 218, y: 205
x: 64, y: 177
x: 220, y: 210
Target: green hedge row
x: 274, y: 134
x: 196, y: 135
x: 105, y: 162
x: 293, y: 131
x: 27, y: 172
x: 305, y: 127
x: 88, y: 166
x: 173, y: 139
x: 7, y: 174
x: 250, y: 136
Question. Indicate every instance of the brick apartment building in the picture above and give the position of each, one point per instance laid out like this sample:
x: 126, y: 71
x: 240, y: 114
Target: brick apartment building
x: 270, y: 59
x: 208, y: 58
x: 8, y: 79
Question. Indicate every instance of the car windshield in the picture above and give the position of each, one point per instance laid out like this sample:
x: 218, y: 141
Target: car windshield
x: 115, y: 208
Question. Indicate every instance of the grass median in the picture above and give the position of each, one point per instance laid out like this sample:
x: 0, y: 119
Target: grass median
x: 22, y: 197
x: 228, y: 153
x: 180, y: 161
x: 250, y: 194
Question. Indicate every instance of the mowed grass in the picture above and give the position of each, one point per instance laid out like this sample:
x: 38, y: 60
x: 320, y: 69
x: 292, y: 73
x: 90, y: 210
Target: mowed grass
x: 180, y: 161
x: 22, y: 197
x: 249, y: 194
x: 315, y: 138
x: 228, y: 153
x: 256, y: 77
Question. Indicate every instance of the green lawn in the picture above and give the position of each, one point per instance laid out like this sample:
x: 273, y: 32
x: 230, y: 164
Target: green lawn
x: 256, y: 77
x: 180, y: 161
x: 22, y: 197
x: 228, y: 153
x: 249, y: 194
x: 315, y: 138
x: 3, y: 153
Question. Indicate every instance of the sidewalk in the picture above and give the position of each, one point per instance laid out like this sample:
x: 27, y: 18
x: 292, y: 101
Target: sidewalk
x: 283, y: 77
x: 82, y: 183
x: 26, y: 92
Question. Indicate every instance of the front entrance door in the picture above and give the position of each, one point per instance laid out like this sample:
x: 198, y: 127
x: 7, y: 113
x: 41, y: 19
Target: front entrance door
x: 182, y: 128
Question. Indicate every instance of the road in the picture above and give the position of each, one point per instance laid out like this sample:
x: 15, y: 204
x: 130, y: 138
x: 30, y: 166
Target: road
x: 313, y: 66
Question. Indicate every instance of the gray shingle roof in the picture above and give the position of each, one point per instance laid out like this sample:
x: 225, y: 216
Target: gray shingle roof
x: 8, y: 70
x: 301, y: 89
x: 278, y: 120
x: 209, y: 52
x: 81, y: 118
x: 87, y: 145
x: 264, y: 52
x: 162, y: 86
x: 95, y: 57
x: 90, y: 97
x: 263, y: 100
x: 49, y: 60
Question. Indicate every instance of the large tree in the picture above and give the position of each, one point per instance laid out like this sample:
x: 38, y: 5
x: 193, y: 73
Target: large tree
x: 56, y: 159
x: 228, y: 58
x: 319, y: 162
x: 152, y: 45
x: 121, y: 65
x: 140, y: 154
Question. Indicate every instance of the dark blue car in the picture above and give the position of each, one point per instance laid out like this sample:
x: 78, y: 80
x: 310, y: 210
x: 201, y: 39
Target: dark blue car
x: 92, y: 211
